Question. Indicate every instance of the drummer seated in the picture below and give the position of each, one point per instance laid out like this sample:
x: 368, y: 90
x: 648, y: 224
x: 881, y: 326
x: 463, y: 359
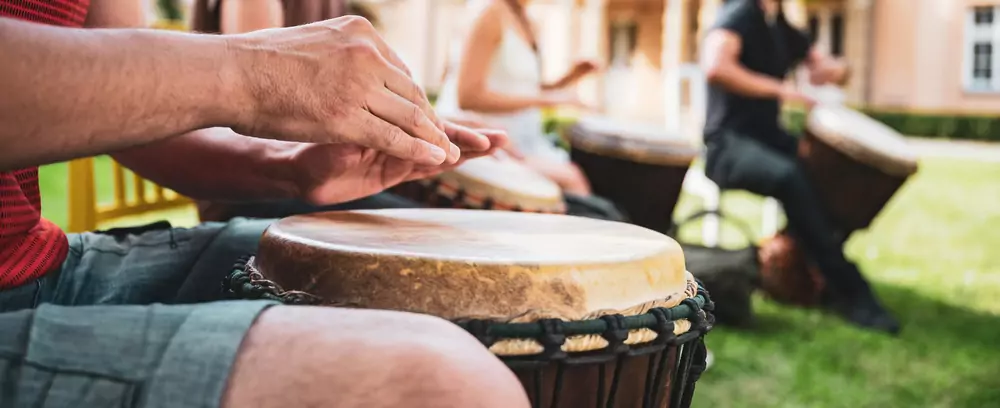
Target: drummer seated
x: 104, y: 319
x: 497, y: 79
x: 746, y: 56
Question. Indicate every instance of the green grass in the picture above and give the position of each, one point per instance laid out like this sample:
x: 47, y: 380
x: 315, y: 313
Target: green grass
x: 934, y: 255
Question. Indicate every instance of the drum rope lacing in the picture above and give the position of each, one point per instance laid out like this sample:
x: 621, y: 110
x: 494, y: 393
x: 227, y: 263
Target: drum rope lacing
x: 245, y: 282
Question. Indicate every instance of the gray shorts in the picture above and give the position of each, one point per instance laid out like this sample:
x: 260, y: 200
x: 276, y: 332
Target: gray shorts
x: 116, y: 326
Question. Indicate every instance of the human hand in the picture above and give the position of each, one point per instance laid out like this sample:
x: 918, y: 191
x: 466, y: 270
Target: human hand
x: 585, y: 67
x: 334, y: 173
x: 336, y: 81
x: 791, y: 95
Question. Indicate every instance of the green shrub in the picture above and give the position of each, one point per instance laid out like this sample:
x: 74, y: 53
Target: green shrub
x: 967, y: 127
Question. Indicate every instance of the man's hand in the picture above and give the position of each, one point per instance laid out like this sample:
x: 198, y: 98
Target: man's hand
x: 335, y: 173
x: 336, y: 81
x: 790, y: 95
x: 824, y: 69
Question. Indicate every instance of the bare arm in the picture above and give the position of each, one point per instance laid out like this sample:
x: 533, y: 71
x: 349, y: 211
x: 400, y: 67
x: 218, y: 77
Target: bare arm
x: 570, y: 79
x: 720, y: 62
x: 217, y: 163
x: 579, y: 71
x: 241, y: 16
x: 71, y: 93
x: 473, y: 69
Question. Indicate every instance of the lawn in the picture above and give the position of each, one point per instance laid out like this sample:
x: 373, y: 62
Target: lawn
x: 934, y: 257
x: 934, y: 254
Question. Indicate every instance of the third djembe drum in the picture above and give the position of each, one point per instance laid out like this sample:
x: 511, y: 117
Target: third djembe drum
x: 639, y: 168
x: 856, y: 164
x: 587, y: 313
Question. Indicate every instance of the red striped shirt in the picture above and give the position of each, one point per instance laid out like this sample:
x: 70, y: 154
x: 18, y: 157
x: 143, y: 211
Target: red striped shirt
x: 30, y: 245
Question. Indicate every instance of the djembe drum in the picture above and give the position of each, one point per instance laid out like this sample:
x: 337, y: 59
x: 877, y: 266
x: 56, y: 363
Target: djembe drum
x: 487, y: 183
x: 856, y: 164
x: 587, y: 313
x: 640, y: 168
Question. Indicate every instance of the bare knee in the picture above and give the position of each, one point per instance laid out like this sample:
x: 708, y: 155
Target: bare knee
x: 568, y: 176
x: 300, y: 356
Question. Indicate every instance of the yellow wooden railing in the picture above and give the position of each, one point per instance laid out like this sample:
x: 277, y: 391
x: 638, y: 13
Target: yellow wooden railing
x: 86, y: 214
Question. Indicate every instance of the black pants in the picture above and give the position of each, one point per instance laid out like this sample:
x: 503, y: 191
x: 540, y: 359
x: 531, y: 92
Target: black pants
x: 738, y: 162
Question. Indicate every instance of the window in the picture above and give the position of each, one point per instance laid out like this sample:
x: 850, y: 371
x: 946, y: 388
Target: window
x: 826, y: 28
x: 623, y: 42
x: 837, y: 35
x: 982, y: 35
x: 813, y: 26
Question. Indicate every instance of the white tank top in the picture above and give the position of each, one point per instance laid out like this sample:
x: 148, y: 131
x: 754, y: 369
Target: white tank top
x: 514, y: 70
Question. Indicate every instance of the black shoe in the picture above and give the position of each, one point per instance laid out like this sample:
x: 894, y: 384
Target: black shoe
x: 862, y: 310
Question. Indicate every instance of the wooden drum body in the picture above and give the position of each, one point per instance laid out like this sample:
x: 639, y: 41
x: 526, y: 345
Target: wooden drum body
x: 488, y: 183
x: 641, y: 169
x: 586, y: 312
x: 856, y: 165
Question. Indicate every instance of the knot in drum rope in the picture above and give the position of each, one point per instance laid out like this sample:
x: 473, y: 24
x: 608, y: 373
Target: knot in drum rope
x: 616, y: 333
x: 552, y: 338
x: 245, y: 282
x: 664, y: 326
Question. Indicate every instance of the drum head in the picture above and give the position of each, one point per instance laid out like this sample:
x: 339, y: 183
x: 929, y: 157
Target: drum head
x: 638, y: 142
x: 862, y: 138
x: 456, y: 264
x: 506, y: 182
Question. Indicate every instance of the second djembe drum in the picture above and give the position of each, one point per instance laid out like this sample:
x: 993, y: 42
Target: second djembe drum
x: 856, y: 164
x: 587, y: 313
x: 639, y: 168
x: 488, y: 183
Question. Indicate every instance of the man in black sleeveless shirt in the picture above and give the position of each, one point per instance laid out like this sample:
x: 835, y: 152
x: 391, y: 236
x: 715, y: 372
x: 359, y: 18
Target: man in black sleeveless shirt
x: 746, y: 56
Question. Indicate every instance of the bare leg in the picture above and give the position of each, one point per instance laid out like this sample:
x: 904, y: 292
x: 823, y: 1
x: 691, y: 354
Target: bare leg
x: 313, y: 357
x: 567, y: 175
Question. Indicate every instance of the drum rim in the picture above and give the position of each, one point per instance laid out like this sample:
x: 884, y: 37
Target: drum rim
x: 893, y: 164
x: 671, y: 153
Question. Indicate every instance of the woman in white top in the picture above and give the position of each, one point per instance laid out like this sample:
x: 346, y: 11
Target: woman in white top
x: 497, y: 80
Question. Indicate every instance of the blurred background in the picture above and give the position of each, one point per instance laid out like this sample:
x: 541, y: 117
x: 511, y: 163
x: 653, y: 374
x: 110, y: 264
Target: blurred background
x: 926, y: 68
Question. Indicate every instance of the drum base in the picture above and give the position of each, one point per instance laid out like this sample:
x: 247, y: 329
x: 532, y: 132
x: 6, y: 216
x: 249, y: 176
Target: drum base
x: 650, y: 376
x: 785, y: 274
x: 647, y: 193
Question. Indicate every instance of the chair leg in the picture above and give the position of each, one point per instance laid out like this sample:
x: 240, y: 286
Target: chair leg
x: 769, y: 218
x: 710, y: 227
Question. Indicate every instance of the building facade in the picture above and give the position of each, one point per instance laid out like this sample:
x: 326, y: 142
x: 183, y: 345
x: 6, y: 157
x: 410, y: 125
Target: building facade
x: 911, y: 56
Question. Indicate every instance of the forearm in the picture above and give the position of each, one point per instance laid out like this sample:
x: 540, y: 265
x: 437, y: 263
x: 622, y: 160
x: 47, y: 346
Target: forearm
x: 742, y: 81
x: 566, y: 81
x: 486, y: 101
x: 71, y: 93
x: 218, y: 164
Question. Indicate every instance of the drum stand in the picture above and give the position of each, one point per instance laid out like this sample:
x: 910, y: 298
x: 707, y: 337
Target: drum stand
x: 697, y: 184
